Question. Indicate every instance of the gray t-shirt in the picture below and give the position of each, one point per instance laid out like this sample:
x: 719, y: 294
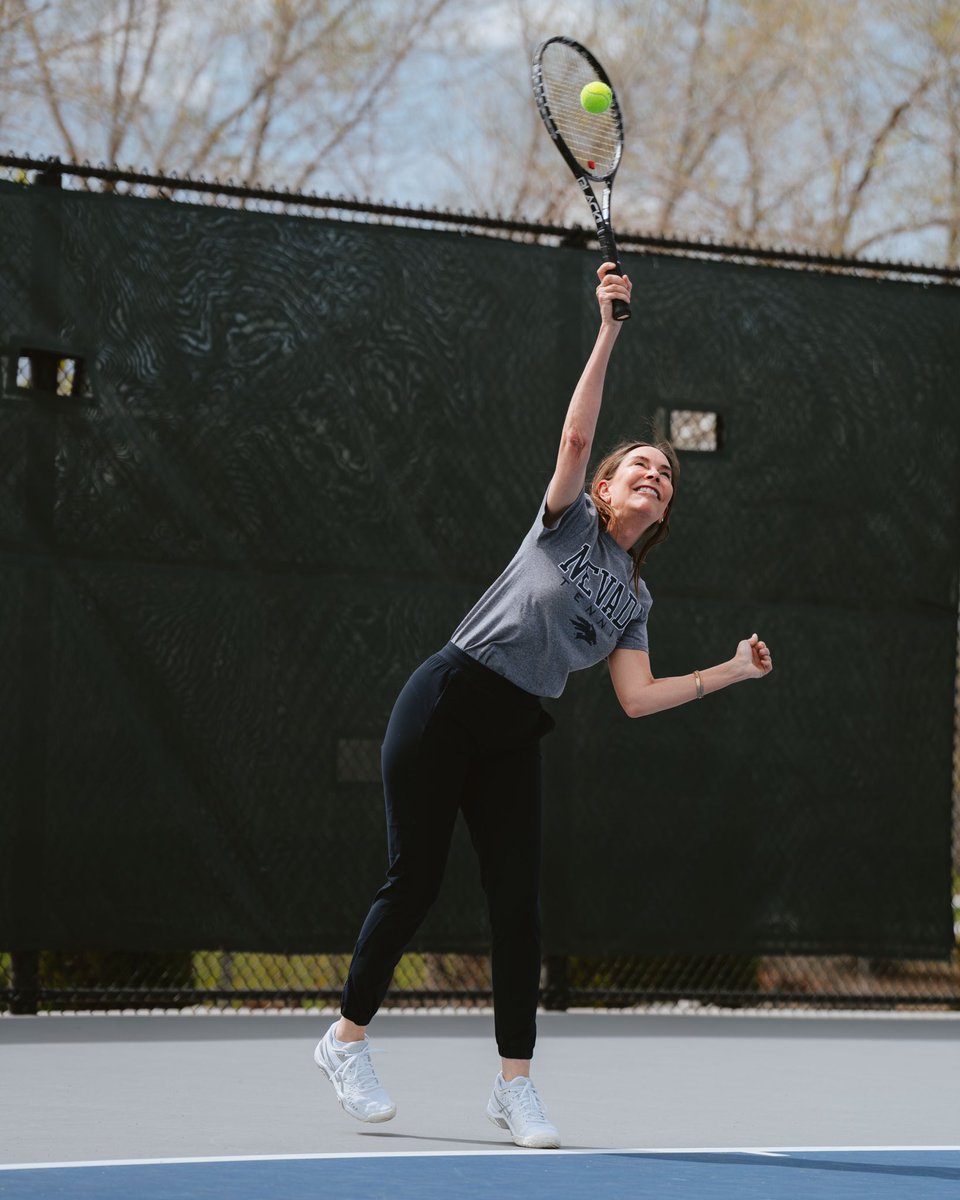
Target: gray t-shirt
x: 564, y: 603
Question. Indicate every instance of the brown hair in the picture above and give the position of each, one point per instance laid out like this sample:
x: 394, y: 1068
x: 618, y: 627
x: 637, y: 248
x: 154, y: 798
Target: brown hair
x: 661, y: 531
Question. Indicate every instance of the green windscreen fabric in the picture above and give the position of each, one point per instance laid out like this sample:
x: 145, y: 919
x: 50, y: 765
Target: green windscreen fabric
x: 304, y: 448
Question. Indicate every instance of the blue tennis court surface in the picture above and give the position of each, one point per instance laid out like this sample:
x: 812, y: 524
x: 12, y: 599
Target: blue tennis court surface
x: 917, y: 1174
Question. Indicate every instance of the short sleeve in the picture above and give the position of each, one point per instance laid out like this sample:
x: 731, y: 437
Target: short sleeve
x: 580, y: 517
x: 634, y: 637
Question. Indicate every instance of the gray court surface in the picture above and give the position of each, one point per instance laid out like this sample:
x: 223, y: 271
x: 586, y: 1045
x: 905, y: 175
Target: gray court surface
x: 83, y: 1089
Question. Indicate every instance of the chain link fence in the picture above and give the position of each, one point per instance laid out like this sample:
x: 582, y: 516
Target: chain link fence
x: 34, y: 980
x: 260, y: 982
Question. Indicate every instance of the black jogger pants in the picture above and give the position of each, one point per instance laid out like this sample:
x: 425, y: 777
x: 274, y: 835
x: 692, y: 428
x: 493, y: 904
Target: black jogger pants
x: 460, y: 737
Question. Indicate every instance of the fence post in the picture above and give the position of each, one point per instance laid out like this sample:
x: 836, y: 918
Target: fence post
x: 44, y: 327
x: 556, y: 988
x: 24, y: 981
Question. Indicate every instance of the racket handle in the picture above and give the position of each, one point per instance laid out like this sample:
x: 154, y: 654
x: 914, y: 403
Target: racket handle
x: 621, y: 309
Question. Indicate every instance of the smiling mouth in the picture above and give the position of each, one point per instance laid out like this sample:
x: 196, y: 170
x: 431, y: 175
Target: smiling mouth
x: 645, y: 487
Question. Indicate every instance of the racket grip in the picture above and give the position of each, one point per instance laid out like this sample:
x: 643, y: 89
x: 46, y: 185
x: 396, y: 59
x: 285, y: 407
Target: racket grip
x: 621, y: 309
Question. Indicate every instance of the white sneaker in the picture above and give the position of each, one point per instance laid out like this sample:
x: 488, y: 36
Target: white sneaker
x: 517, y: 1107
x: 352, y: 1075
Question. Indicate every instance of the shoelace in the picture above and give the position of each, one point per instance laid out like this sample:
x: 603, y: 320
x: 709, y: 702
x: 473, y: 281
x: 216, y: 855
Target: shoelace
x: 528, y: 1101
x: 357, y: 1069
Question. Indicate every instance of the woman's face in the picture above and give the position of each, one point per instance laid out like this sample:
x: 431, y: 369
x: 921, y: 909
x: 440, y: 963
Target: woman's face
x: 640, y: 487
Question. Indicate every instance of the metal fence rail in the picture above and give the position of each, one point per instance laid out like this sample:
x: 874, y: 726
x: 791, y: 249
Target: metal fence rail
x: 228, y: 194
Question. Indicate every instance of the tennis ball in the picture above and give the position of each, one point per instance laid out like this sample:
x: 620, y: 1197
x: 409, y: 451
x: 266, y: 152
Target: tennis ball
x: 596, y: 97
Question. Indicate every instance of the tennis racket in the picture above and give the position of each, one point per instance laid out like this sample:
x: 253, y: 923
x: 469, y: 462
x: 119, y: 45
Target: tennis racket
x: 591, y: 143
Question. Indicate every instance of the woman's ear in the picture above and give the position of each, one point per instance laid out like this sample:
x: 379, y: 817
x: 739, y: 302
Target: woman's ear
x: 603, y: 490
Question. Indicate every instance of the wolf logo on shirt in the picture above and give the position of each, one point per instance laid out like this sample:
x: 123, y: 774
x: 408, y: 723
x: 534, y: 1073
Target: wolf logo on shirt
x: 585, y: 631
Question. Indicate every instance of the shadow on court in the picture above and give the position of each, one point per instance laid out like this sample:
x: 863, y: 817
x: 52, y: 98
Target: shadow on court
x: 428, y: 1137
x: 506, y: 1147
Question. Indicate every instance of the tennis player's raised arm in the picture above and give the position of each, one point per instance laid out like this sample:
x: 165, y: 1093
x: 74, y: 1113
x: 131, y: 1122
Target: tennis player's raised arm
x: 640, y: 694
x: 576, y: 440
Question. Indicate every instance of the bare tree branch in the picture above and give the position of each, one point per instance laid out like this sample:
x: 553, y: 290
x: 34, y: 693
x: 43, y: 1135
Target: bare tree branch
x: 124, y: 111
x: 389, y: 69
x: 881, y: 137
x: 117, y: 106
x: 281, y: 50
x: 941, y: 221
x: 49, y: 88
x: 269, y: 80
x: 682, y: 166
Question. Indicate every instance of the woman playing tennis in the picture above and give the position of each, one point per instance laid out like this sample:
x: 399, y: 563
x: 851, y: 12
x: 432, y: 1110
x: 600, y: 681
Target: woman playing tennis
x: 464, y: 735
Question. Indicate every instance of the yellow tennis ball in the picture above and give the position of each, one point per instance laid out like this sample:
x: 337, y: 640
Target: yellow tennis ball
x: 596, y: 97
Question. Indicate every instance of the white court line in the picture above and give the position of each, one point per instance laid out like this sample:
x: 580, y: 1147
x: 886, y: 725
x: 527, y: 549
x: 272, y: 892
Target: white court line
x: 519, y: 1153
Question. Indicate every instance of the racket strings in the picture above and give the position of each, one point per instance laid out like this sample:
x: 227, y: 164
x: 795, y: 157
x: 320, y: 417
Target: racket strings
x: 594, y: 139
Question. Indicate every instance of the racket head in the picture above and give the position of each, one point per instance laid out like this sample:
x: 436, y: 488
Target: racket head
x: 592, y: 143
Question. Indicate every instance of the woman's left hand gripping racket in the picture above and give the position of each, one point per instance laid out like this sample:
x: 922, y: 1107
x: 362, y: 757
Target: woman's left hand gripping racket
x: 589, y: 138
